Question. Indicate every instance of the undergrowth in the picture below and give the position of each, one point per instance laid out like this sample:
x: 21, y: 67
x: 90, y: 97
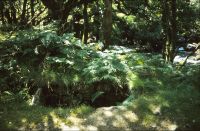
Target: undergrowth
x: 74, y: 73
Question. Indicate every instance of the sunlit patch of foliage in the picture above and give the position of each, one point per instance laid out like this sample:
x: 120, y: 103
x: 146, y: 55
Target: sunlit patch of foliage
x: 17, y: 114
x: 80, y: 74
x: 40, y: 58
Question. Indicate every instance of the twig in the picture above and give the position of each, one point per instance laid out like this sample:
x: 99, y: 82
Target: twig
x: 27, y: 22
x: 185, y: 61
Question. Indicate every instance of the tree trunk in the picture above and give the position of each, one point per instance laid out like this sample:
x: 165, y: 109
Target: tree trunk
x: 61, y: 9
x: 173, y: 28
x: 107, y: 23
x: 165, y: 22
x: 13, y: 11
x: 8, y: 16
x: 32, y: 12
x: 97, y: 21
x: 54, y: 8
x: 2, y: 12
x: 85, y: 30
x: 169, y: 26
x: 23, y: 12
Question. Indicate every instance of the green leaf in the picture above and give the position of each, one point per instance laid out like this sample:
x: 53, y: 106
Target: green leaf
x: 8, y: 93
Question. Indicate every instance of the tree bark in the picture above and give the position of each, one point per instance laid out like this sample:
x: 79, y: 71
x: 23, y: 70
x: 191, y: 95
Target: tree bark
x: 23, y: 12
x: 2, y: 12
x: 32, y: 12
x: 107, y: 23
x: 8, y: 16
x: 54, y: 9
x: 169, y: 26
x: 97, y: 21
x: 173, y: 28
x: 60, y: 10
x: 13, y: 11
x: 85, y: 30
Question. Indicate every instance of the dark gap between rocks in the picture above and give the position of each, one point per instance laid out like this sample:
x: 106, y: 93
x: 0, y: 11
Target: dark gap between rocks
x: 59, y: 97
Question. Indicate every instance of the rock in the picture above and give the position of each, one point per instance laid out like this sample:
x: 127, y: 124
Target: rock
x: 197, y: 57
x: 191, y: 47
x: 181, y: 49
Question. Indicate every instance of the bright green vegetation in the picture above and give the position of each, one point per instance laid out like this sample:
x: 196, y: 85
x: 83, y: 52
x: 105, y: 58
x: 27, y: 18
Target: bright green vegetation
x: 164, y: 103
x: 20, y: 115
x: 3, y: 36
x: 99, y: 64
x: 162, y: 96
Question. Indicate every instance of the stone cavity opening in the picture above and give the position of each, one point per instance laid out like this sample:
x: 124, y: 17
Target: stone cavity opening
x: 112, y: 95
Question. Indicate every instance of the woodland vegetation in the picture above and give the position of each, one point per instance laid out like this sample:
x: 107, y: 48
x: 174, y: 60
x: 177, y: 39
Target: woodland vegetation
x: 100, y: 64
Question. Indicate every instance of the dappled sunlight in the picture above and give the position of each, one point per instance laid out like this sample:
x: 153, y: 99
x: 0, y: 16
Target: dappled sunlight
x: 99, y: 65
x: 5, y: 36
x: 114, y: 117
x: 167, y: 124
x: 148, y: 119
x: 155, y: 109
x: 149, y: 111
x: 133, y: 80
x: 54, y: 119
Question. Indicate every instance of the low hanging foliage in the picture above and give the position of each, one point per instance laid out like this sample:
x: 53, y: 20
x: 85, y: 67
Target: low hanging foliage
x: 70, y: 69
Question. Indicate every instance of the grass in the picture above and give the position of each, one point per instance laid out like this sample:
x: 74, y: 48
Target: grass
x: 16, y: 114
x: 170, y: 99
x: 165, y: 103
x: 2, y: 36
x: 178, y: 106
x: 163, y: 98
x: 5, y: 36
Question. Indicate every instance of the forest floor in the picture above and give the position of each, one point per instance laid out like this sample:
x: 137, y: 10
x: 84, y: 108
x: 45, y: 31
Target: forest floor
x: 167, y: 102
x: 166, y: 109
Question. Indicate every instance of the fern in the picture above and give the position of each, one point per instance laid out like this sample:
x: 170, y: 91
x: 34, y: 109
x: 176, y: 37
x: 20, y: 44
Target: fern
x: 96, y: 95
x: 63, y: 62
